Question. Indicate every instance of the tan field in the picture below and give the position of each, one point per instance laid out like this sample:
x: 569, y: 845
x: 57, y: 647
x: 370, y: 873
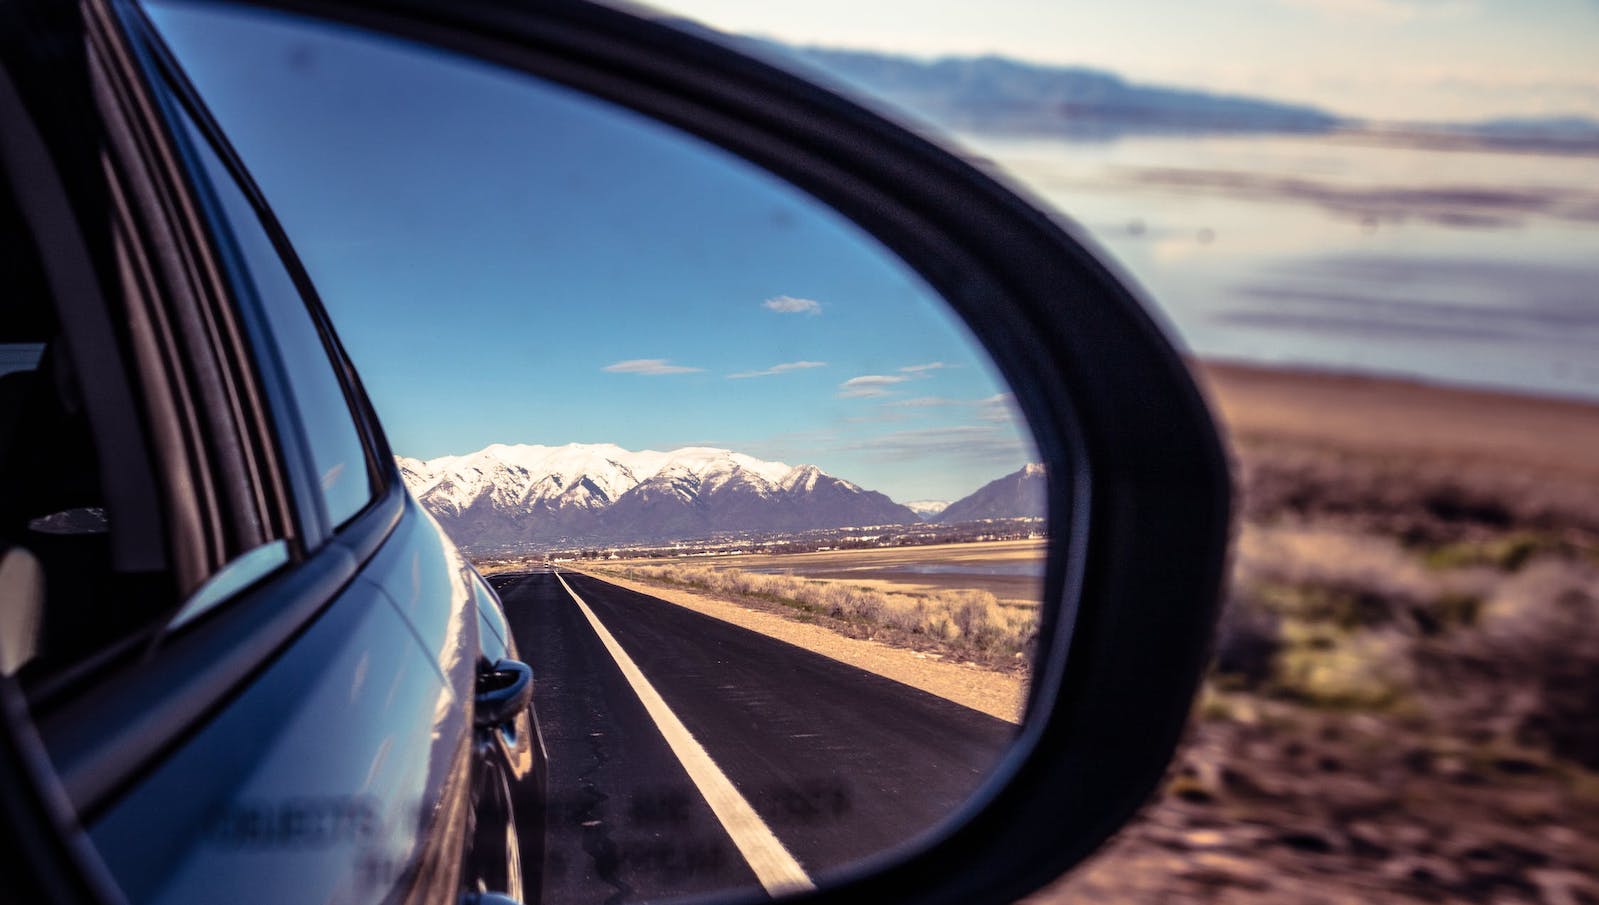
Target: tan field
x: 1396, y: 417
x: 1010, y: 570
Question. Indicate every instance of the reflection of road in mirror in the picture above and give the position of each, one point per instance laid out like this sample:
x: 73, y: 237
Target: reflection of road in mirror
x: 838, y: 763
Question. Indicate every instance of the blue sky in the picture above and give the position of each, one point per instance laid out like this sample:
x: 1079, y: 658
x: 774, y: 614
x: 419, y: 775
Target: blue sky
x: 507, y: 262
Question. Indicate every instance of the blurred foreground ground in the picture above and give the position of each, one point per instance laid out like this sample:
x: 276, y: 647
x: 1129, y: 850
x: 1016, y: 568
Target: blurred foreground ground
x: 1405, y: 704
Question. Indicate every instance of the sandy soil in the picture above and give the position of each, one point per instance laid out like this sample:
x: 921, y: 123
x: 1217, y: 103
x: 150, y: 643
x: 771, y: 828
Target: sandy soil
x: 1386, y: 416
x: 996, y: 694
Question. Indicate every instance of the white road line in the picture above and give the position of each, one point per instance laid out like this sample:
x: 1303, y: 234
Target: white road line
x: 776, y: 869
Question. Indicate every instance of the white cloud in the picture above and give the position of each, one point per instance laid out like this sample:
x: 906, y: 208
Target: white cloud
x: 783, y: 368
x: 648, y: 366
x: 788, y: 304
x: 868, y: 385
x: 922, y: 369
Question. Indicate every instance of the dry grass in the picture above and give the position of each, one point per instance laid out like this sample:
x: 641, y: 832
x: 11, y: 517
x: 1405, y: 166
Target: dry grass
x: 1499, y: 648
x: 969, y: 624
x: 1010, y: 570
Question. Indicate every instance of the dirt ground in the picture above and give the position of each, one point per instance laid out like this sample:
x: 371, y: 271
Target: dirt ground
x: 1454, y: 794
x: 1397, y: 417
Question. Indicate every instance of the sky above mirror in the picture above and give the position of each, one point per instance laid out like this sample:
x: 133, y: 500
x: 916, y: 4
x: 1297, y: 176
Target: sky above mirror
x: 508, y: 262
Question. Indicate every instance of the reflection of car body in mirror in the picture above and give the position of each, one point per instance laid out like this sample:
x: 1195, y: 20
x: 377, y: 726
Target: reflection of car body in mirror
x: 307, y: 691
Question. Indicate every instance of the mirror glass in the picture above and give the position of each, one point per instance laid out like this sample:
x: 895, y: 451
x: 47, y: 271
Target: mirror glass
x: 765, y: 520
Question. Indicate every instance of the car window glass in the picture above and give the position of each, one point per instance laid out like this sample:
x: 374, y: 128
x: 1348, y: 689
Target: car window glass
x: 287, y: 332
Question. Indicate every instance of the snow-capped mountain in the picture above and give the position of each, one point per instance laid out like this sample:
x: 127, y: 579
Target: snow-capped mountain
x: 510, y: 495
x: 927, y: 509
x: 1020, y: 494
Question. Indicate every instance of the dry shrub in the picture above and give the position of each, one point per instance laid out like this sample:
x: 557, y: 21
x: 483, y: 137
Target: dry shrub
x: 1420, y: 497
x: 1357, y: 671
x: 969, y: 622
x: 1357, y: 565
x: 1529, y: 669
x: 971, y: 616
x: 1248, y: 640
x: 1337, y: 618
x: 1353, y: 581
x: 1501, y: 646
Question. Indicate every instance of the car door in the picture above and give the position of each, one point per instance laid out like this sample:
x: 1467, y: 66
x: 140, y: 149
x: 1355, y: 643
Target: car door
x: 291, y: 720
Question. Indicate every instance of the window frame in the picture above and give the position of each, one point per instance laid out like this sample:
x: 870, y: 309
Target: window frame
x: 179, y: 99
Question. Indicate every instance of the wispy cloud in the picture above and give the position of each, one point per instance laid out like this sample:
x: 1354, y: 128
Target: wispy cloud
x: 971, y: 444
x: 997, y: 408
x: 783, y: 368
x: 1000, y: 408
x: 922, y: 370
x: 652, y: 367
x: 788, y: 304
x: 924, y: 402
x: 868, y: 385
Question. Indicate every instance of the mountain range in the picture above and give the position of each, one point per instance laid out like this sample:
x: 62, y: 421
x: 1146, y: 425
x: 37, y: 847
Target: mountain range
x: 517, y: 495
x: 1000, y: 94
x: 997, y: 94
x: 1020, y: 494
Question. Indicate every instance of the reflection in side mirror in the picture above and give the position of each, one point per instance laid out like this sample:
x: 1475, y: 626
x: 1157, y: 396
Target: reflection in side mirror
x: 767, y: 525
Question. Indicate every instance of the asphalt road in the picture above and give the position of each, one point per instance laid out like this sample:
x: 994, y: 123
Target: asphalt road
x: 839, y: 763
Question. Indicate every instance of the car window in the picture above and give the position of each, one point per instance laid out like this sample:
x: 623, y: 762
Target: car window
x: 317, y: 410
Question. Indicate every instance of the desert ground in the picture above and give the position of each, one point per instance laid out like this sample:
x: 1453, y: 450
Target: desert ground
x: 1404, y: 705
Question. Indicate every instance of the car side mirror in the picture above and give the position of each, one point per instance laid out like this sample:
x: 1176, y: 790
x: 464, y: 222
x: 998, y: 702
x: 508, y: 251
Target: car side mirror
x: 1138, y: 490
x: 1136, y: 506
